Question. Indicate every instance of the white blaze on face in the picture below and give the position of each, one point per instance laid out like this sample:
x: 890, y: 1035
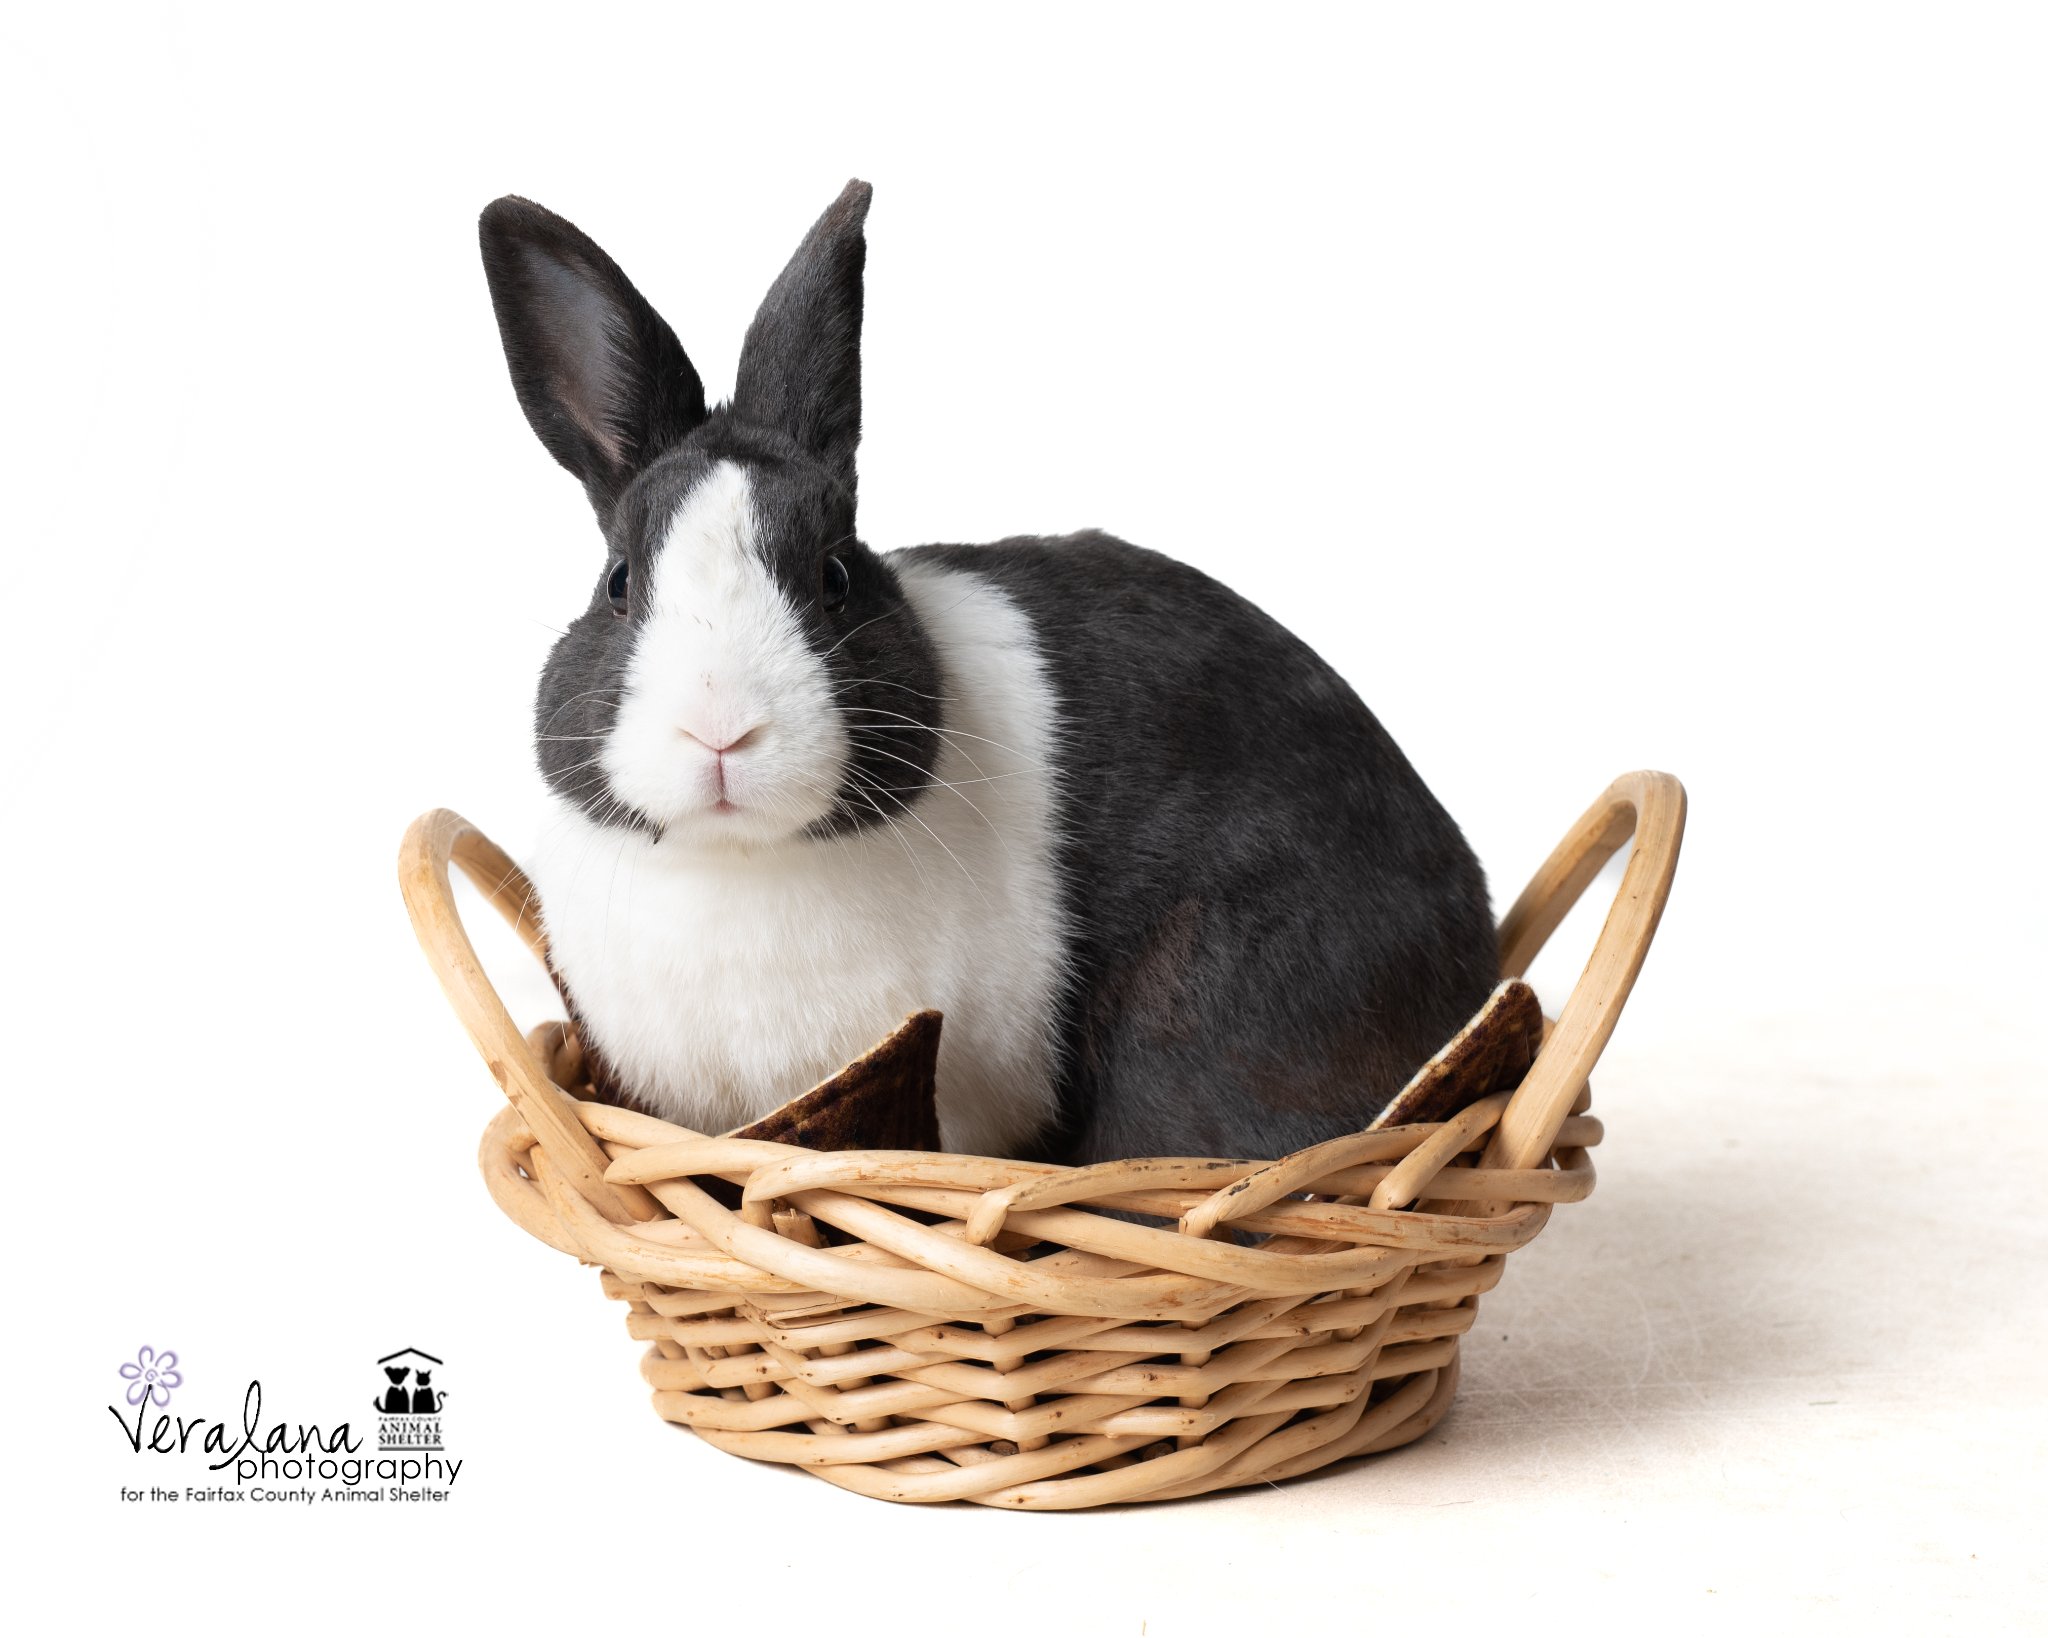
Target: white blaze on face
x: 720, y: 665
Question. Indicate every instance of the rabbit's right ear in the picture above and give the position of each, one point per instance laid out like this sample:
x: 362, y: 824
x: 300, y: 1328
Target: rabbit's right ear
x: 800, y: 364
x: 602, y: 378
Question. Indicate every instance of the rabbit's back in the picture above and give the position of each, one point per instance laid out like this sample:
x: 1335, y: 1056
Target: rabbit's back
x: 1272, y: 922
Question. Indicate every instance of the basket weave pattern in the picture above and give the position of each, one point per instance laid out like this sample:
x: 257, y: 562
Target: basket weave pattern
x: 930, y: 1327
x: 1119, y: 1362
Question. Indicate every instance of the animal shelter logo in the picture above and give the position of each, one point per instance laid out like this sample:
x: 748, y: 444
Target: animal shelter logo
x: 409, y: 1416
x: 256, y: 1458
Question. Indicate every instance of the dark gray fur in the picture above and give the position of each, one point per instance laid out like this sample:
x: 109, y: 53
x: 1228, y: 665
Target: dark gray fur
x: 1274, y: 921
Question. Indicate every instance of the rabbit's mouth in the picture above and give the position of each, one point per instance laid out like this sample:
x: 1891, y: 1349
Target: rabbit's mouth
x: 755, y: 797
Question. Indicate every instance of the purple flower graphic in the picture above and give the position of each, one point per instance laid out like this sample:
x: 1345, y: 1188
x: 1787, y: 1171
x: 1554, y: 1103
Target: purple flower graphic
x: 152, y: 1376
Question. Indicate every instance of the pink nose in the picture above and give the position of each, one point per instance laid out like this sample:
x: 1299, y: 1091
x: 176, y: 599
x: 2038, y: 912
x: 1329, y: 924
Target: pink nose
x: 710, y: 740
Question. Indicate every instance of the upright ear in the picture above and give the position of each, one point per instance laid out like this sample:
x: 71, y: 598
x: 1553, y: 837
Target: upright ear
x: 602, y: 379
x: 800, y: 364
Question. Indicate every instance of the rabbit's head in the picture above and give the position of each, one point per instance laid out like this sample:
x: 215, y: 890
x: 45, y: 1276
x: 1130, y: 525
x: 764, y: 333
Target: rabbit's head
x: 747, y: 672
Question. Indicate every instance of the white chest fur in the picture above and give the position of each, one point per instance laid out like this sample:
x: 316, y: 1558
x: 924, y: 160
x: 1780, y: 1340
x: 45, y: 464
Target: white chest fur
x: 724, y: 984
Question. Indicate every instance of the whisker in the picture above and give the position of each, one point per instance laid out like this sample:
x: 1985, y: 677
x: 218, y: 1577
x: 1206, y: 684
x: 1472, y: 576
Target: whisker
x: 857, y: 729
x: 984, y: 779
x: 1001, y: 840
x: 972, y: 591
x: 951, y: 733
x: 886, y: 614
x: 893, y: 829
x: 912, y: 814
x: 884, y: 682
x: 587, y: 693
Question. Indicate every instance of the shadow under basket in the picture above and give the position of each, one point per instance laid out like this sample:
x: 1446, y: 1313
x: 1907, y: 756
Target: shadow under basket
x: 925, y: 1327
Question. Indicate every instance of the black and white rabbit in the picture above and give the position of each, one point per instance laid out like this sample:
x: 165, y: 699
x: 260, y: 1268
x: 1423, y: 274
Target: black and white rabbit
x: 1174, y: 888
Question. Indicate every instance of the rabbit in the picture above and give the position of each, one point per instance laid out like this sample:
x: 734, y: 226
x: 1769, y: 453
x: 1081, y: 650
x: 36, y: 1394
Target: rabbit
x: 1173, y: 887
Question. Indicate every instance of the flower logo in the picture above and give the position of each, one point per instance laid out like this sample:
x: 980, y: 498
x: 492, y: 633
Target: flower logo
x: 151, y: 1376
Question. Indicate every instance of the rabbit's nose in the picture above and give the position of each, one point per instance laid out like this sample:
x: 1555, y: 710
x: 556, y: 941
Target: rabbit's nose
x: 718, y: 744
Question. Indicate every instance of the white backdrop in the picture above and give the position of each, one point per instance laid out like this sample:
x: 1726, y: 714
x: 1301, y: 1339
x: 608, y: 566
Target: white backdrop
x: 1669, y: 388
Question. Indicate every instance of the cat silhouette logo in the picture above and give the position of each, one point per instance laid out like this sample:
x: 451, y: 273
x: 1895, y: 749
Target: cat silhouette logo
x: 409, y: 1405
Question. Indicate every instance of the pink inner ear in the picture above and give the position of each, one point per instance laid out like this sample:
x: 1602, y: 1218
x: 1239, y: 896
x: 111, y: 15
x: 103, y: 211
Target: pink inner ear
x: 574, y: 396
x: 584, y: 360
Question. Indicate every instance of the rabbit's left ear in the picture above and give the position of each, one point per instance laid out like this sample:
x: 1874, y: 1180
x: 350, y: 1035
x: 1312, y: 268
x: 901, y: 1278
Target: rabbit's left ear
x: 800, y: 364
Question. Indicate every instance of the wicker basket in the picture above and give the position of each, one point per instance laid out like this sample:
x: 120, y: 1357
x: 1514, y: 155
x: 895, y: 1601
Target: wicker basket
x: 965, y: 1331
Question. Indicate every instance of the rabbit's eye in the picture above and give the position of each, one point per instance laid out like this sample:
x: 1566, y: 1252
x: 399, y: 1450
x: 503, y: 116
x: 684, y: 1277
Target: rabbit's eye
x: 615, y: 587
x: 834, y: 583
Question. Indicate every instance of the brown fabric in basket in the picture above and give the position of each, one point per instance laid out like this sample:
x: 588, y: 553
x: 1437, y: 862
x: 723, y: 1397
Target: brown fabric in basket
x: 1490, y: 1054
x: 885, y: 1099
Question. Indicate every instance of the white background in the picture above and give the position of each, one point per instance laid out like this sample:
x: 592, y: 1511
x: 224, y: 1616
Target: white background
x: 1595, y: 387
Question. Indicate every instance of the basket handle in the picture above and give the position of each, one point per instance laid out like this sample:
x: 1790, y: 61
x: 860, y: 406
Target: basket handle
x: 1651, y: 808
x: 434, y: 841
